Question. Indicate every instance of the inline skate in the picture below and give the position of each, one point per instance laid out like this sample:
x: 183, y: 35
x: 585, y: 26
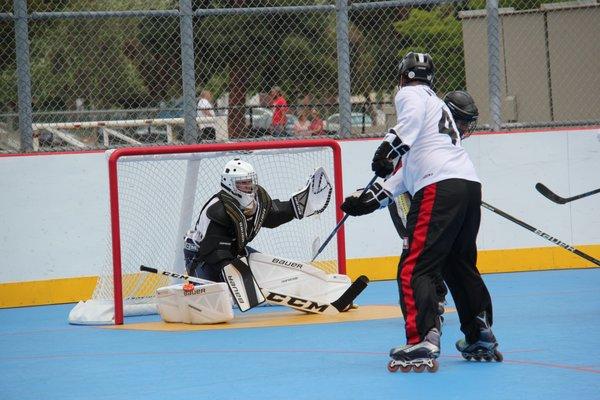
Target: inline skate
x: 485, y: 348
x: 417, y: 357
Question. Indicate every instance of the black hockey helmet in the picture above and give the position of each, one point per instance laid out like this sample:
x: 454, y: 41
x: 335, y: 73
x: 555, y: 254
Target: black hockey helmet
x: 463, y: 109
x: 417, y: 66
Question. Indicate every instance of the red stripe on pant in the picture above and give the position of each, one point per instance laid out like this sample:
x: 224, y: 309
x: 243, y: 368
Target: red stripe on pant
x: 416, y: 248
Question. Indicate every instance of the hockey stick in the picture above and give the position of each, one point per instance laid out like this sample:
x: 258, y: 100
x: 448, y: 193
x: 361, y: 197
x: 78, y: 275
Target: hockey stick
x: 550, y: 195
x: 175, y: 275
x: 339, y: 224
x: 336, y: 307
x: 542, y: 234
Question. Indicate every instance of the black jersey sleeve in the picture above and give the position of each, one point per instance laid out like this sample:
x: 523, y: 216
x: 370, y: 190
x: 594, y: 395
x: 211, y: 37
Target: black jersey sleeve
x: 280, y: 213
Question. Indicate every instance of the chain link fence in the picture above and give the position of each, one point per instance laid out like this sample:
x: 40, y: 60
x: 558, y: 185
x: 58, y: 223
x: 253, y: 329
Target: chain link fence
x: 86, y: 74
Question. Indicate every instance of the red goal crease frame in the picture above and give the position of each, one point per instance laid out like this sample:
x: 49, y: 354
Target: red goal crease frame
x: 200, y: 148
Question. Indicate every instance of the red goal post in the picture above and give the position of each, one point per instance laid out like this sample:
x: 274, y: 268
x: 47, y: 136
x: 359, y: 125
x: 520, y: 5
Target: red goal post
x: 269, y: 158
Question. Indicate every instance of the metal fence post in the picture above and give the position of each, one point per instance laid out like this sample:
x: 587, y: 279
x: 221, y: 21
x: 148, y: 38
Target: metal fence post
x: 187, y: 71
x: 23, y: 75
x: 494, y: 77
x: 343, y: 50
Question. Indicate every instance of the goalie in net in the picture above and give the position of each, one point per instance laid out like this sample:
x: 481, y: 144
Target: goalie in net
x: 218, y: 256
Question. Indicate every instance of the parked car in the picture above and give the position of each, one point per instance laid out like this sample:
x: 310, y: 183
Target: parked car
x: 332, y: 123
x: 260, y: 118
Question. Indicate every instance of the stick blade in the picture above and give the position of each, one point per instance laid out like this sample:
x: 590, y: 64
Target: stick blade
x: 148, y: 269
x: 351, y: 293
x: 549, y: 194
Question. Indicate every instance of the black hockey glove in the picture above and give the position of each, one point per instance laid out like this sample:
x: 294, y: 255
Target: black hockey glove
x: 392, y: 148
x: 365, y: 202
x: 382, y: 165
x: 354, y: 206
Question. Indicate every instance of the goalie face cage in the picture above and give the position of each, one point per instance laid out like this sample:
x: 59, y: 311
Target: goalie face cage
x: 169, y: 203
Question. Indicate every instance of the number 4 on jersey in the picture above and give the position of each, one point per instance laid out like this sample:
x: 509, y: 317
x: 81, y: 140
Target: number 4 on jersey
x: 446, y: 127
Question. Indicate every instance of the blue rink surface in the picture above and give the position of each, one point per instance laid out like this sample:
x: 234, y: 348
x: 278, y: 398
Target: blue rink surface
x: 547, y: 323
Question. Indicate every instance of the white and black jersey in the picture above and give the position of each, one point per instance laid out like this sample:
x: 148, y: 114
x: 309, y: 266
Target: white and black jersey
x: 425, y: 125
x: 222, y: 232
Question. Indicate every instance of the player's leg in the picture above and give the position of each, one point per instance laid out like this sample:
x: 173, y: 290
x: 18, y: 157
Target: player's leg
x: 433, y: 223
x: 196, y: 268
x: 470, y: 294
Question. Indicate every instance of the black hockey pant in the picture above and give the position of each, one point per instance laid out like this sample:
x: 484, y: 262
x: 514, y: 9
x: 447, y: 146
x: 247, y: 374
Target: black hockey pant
x: 443, y: 222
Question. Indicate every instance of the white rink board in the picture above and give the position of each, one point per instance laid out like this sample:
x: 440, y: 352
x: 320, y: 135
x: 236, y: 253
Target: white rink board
x: 54, y: 208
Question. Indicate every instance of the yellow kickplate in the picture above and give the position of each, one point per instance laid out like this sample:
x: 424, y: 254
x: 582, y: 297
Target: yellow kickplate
x: 276, y: 318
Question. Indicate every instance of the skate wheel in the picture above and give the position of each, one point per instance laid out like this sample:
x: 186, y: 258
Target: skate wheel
x: 392, y: 367
x: 466, y: 357
x: 498, y: 356
x: 434, y: 367
x: 477, y: 358
x: 488, y: 358
x: 408, y: 368
x: 419, y: 368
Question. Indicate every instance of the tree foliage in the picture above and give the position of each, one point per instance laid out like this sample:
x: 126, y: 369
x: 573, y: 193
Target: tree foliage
x: 135, y: 62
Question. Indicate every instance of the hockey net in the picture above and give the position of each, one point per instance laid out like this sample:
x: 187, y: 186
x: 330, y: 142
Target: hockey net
x: 156, y: 195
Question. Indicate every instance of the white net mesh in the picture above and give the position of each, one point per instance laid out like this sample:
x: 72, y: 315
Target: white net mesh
x: 160, y: 197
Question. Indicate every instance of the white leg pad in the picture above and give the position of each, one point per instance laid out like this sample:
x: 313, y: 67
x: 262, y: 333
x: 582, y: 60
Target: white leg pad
x: 295, y: 278
x: 205, y: 304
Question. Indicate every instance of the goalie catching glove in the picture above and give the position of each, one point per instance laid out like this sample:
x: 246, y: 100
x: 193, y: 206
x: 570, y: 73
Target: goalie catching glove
x: 314, y: 197
x: 365, y: 202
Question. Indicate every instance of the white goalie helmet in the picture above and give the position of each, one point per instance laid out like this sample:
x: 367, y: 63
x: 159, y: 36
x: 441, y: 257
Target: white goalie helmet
x: 239, y: 180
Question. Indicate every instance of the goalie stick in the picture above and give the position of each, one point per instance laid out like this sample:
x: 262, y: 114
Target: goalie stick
x: 333, y: 308
x: 550, y: 195
x: 542, y: 234
x: 339, y: 225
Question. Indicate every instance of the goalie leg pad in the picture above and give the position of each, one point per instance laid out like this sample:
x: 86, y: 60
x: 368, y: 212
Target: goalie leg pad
x: 244, y: 288
x: 205, y: 304
x: 296, y: 279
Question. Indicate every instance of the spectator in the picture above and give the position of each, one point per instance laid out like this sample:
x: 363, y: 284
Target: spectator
x: 304, y: 104
x: 280, y: 109
x: 316, y: 123
x: 206, y: 109
x: 302, y: 126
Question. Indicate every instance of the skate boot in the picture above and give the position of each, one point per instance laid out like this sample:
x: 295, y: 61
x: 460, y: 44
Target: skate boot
x: 418, y: 356
x: 485, y: 348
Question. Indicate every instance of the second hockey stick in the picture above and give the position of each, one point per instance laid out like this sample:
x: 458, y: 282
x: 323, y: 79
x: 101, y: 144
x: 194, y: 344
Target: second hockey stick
x: 339, y: 224
x: 542, y: 234
x: 298, y: 303
x: 550, y: 195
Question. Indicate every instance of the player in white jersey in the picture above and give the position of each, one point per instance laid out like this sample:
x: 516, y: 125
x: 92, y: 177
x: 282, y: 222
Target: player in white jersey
x: 442, y: 222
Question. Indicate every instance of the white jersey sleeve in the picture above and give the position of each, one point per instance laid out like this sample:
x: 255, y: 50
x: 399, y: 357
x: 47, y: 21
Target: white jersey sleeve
x: 410, y: 111
x: 395, y: 184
